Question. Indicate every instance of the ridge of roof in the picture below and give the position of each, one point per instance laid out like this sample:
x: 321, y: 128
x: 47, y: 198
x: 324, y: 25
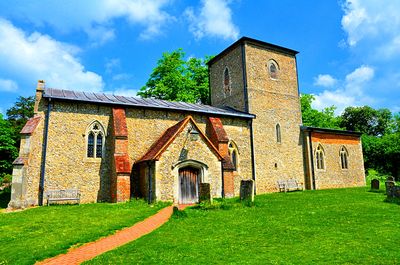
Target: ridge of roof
x: 328, y: 130
x: 102, y: 98
x: 256, y: 42
x: 158, y: 147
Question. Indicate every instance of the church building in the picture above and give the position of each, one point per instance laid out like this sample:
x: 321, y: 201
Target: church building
x: 113, y: 147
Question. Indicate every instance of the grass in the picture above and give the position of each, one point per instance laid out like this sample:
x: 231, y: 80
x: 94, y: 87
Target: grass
x: 342, y: 226
x: 43, y: 232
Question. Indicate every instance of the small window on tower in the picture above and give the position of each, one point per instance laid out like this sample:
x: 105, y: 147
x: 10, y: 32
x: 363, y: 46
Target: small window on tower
x: 227, y: 82
x: 273, y: 69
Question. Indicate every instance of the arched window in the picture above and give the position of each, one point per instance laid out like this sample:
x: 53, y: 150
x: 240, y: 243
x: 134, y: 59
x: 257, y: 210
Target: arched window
x: 278, y: 133
x: 273, y: 69
x: 343, y: 158
x: 227, y: 82
x: 95, y: 140
x: 233, y: 153
x: 319, y: 156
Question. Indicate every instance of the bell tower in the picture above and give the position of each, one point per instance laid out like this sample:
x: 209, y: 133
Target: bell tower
x: 261, y: 78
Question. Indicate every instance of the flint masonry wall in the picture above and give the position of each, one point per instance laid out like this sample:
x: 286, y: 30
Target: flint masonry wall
x: 167, y: 182
x: 146, y: 126
x: 68, y: 167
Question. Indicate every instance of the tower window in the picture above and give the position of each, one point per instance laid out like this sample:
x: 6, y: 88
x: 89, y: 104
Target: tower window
x: 319, y: 156
x: 278, y: 133
x: 227, y: 82
x: 273, y: 69
x: 343, y: 158
x: 233, y: 153
x: 95, y: 140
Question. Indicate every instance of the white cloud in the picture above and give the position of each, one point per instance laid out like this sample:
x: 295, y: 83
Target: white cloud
x: 8, y: 85
x: 214, y: 19
x: 95, y: 17
x: 121, y: 77
x: 373, y: 21
x: 37, y: 56
x: 351, y: 93
x: 324, y: 81
x: 112, y: 64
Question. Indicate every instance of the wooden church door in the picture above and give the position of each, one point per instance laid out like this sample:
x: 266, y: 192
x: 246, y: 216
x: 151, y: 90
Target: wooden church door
x: 188, y: 180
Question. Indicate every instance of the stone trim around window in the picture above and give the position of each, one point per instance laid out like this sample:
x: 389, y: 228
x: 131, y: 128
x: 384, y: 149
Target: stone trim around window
x: 95, y: 141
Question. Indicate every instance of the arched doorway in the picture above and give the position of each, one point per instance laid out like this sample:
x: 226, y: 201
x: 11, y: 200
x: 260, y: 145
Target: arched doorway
x: 189, y: 178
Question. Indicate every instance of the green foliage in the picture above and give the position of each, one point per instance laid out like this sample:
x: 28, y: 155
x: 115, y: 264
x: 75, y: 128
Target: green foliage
x: 367, y: 120
x: 314, y: 118
x: 178, y: 80
x: 44, y: 232
x: 20, y: 113
x: 342, y: 226
x: 8, y: 151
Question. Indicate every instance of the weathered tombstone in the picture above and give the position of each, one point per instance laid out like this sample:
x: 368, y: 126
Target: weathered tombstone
x: 205, y: 192
x: 375, y: 184
x: 247, y: 190
x: 390, y: 178
x: 390, y: 188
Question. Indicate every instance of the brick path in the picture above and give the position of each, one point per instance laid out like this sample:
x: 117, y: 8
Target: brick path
x: 93, y: 249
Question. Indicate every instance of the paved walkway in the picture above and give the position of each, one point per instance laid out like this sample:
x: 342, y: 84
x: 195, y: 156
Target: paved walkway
x: 93, y: 249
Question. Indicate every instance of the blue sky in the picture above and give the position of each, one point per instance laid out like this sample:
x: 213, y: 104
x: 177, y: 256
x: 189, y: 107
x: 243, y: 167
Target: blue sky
x: 349, y: 49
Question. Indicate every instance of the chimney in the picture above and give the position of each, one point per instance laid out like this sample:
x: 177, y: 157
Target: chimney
x: 39, y: 94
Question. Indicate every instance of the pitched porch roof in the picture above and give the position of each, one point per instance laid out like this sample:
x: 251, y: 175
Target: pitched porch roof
x: 158, y: 148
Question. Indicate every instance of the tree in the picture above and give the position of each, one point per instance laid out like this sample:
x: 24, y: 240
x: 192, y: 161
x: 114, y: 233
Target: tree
x: 8, y: 151
x: 312, y: 117
x: 19, y: 114
x: 367, y: 120
x: 178, y: 80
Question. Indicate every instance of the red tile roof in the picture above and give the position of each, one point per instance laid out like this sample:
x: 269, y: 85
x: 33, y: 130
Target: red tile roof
x: 31, y: 125
x: 157, y: 149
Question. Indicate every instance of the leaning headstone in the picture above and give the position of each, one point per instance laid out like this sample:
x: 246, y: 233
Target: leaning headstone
x: 205, y: 192
x: 390, y: 188
x: 247, y: 190
x: 375, y: 184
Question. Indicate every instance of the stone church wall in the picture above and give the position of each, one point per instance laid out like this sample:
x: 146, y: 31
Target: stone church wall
x: 146, y: 126
x: 333, y: 176
x: 167, y: 183
x: 274, y: 101
x: 67, y: 165
x: 235, y: 98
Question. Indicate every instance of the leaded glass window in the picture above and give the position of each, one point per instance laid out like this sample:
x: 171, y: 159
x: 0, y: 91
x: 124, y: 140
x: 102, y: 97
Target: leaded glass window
x: 95, y: 140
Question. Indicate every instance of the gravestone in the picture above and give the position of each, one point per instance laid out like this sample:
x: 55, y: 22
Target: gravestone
x: 390, y: 178
x: 247, y: 190
x: 205, y: 192
x: 390, y: 188
x: 375, y: 184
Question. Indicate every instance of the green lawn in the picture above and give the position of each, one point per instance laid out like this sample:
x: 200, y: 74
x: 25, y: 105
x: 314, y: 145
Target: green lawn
x: 43, y: 232
x: 342, y: 226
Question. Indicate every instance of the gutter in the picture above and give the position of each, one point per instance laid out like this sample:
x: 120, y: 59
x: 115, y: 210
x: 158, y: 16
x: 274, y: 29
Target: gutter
x: 150, y: 199
x: 44, y: 153
x: 312, y: 161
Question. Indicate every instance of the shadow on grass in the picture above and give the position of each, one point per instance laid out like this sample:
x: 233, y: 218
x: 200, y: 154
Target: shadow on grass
x: 5, y: 196
x: 377, y: 191
x: 394, y: 200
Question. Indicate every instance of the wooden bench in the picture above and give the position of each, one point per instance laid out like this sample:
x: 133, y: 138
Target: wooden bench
x: 289, y: 184
x: 63, y: 195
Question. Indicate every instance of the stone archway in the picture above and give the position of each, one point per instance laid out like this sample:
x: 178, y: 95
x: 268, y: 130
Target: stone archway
x: 188, y: 175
